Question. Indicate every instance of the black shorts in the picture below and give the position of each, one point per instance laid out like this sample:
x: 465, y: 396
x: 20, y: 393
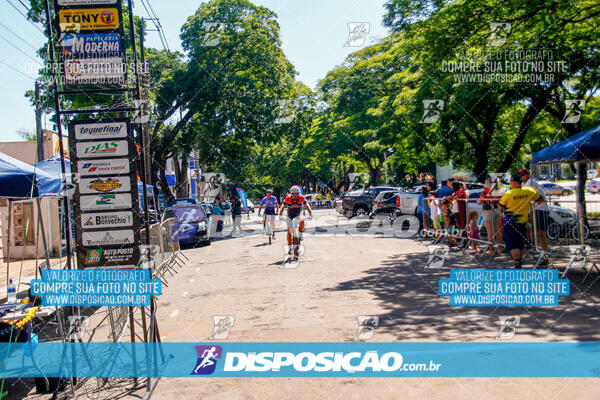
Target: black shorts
x: 514, y: 235
x: 293, y: 214
x: 269, y: 212
x: 541, y: 220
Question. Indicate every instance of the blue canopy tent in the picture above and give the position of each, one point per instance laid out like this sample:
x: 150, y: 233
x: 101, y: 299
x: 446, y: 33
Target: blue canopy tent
x: 585, y: 146
x: 579, y: 149
x: 54, y: 186
x: 21, y: 180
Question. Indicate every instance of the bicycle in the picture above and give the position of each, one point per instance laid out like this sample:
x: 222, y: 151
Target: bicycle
x: 268, y: 227
x: 571, y: 226
x: 296, y: 249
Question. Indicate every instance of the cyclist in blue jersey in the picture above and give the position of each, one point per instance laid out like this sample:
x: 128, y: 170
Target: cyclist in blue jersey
x: 269, y: 202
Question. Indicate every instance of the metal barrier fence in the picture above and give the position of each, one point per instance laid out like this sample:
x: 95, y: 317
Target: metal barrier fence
x: 559, y: 233
x: 164, y: 253
x: 555, y: 235
x: 449, y: 221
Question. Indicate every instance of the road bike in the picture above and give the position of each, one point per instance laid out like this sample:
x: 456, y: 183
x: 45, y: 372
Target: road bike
x: 268, y: 226
x: 296, y: 250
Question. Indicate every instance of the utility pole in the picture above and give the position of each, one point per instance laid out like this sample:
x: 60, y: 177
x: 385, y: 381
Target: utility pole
x: 385, y: 165
x: 38, y: 123
x: 145, y: 117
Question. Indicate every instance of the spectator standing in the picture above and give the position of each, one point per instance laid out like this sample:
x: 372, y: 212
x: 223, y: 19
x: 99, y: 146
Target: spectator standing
x: 444, y: 190
x: 328, y: 200
x: 421, y: 206
x: 217, y: 220
x: 491, y: 217
x: 542, y: 210
x: 459, y: 205
x: 436, y: 211
x: 236, y: 213
x: 431, y: 187
x: 474, y: 232
x: 516, y: 204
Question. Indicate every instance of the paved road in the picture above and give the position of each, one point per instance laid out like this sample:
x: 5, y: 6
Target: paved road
x: 339, y: 278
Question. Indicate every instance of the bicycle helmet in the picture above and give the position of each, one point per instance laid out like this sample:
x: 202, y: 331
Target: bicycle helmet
x: 269, y: 191
x: 295, y: 189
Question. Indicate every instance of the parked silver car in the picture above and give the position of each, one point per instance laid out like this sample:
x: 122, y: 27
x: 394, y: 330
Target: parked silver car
x: 593, y: 186
x: 551, y: 188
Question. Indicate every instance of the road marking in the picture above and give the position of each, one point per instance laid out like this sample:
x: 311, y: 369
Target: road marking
x: 192, y: 280
x: 185, y: 293
x: 174, y: 314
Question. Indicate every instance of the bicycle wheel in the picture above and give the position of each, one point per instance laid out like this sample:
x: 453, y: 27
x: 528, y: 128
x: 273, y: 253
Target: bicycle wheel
x: 553, y: 231
x: 575, y: 232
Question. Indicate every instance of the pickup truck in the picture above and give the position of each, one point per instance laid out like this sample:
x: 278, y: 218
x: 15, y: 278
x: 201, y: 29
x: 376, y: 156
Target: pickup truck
x: 360, y: 202
x: 407, y: 202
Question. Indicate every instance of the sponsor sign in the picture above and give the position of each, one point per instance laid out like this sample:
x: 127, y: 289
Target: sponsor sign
x: 90, y: 44
x: 105, y: 185
x: 100, y: 130
x: 97, y: 256
x: 102, y: 149
x: 108, y: 238
x: 95, y: 71
x: 93, y: 256
x: 109, y: 201
x: 88, y: 19
x: 103, y: 167
x: 86, y: 2
x: 107, y: 220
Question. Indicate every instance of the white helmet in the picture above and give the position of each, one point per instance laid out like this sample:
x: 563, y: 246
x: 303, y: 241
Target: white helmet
x: 295, y: 189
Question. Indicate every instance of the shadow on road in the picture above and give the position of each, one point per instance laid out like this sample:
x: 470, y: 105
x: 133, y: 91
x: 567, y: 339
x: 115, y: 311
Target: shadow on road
x: 409, y: 291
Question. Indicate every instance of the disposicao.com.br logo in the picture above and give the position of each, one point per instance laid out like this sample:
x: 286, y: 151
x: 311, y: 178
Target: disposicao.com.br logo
x: 313, y: 363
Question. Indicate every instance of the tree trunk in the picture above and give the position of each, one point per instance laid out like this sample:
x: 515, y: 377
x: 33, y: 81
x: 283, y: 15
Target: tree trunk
x: 163, y: 182
x: 181, y: 174
x: 481, y: 166
x: 533, y: 110
x: 374, y: 172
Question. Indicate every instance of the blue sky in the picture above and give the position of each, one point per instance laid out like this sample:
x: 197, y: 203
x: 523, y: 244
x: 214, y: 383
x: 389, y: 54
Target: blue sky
x: 313, y: 34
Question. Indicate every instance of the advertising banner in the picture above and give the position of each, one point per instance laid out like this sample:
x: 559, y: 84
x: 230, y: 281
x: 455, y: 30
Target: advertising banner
x: 100, y: 129
x: 105, y: 185
x: 95, y: 71
x: 95, y: 257
x: 242, y: 193
x: 70, y: 3
x: 108, y: 238
x: 115, y: 219
x: 106, y: 193
x: 103, y: 167
x: 90, y: 44
x: 91, y: 40
x: 103, y: 202
x: 88, y: 19
x: 102, y: 149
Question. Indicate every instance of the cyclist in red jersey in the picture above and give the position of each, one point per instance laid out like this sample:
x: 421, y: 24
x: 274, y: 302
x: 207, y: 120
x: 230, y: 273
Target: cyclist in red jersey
x: 294, y: 202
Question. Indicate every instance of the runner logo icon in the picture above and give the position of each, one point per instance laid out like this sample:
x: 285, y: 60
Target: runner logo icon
x: 207, y: 359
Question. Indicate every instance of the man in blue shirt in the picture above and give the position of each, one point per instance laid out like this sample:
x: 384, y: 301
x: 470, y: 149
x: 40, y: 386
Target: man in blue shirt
x: 444, y: 190
x: 270, y: 203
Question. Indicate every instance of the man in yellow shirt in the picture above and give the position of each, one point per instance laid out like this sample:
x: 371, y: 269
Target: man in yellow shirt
x: 516, y: 204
